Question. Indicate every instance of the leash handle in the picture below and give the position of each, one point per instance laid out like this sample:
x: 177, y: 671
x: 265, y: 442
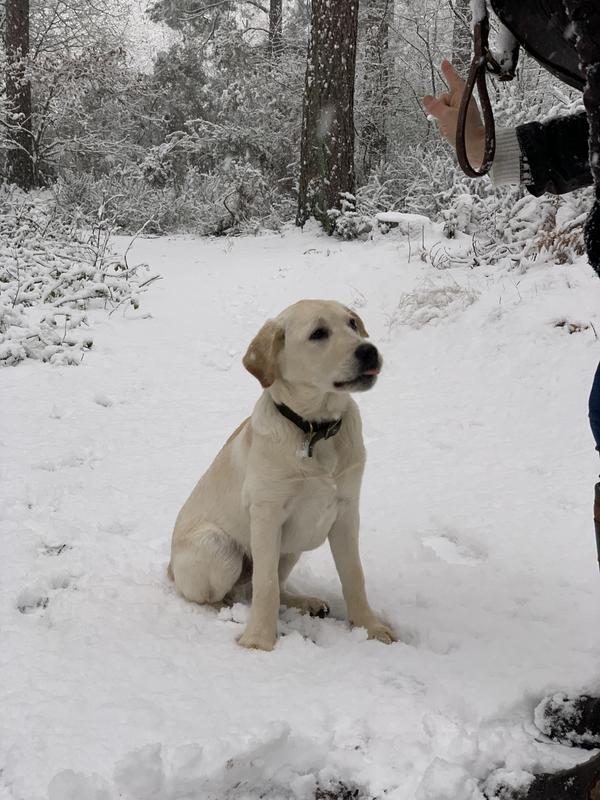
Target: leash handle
x: 476, y: 76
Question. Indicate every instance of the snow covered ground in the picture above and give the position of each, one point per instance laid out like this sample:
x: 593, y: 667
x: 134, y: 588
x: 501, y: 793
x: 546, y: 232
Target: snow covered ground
x: 477, y: 538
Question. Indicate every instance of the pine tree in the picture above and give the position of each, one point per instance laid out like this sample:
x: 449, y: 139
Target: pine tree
x: 327, y: 150
x: 20, y: 165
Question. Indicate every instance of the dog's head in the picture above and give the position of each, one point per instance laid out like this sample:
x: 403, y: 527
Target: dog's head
x: 316, y: 343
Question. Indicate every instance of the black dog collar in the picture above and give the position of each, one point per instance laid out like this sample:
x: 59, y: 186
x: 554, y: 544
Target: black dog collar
x: 315, y: 431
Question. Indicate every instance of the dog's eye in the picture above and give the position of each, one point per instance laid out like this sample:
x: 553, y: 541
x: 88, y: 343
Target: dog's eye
x: 319, y: 333
x: 353, y: 324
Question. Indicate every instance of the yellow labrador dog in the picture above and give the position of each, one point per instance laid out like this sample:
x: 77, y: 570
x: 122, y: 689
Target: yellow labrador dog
x: 288, y: 478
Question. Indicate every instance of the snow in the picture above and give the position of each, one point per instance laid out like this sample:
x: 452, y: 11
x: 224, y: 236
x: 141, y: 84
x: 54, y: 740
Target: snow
x: 403, y: 220
x: 144, y: 37
x: 477, y: 537
x: 478, y: 10
x: 505, y: 46
x: 505, y: 50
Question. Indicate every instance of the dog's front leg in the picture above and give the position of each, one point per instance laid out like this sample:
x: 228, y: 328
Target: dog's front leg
x: 343, y: 540
x: 265, y: 543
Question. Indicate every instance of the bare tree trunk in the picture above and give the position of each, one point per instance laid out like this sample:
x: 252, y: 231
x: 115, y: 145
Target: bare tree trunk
x: 275, y: 27
x: 461, y: 35
x: 327, y: 151
x: 18, y: 94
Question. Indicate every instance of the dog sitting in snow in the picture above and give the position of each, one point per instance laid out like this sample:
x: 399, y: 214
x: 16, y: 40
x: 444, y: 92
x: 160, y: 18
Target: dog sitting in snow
x: 288, y: 478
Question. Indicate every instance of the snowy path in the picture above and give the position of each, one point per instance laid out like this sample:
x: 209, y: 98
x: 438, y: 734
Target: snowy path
x: 477, y: 539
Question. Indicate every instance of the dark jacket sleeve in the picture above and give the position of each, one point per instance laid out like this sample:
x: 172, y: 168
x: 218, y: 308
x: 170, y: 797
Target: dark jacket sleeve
x: 555, y: 155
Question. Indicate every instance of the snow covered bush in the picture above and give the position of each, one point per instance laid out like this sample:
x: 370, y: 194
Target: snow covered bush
x: 51, y: 273
x: 550, y: 226
x: 235, y: 198
x: 563, y: 243
x: 348, y: 223
x: 384, y: 189
x: 429, y: 304
x: 500, y: 218
x: 419, y: 172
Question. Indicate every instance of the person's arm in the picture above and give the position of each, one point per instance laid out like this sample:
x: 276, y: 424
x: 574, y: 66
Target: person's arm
x: 547, y: 157
x: 507, y: 158
x: 555, y: 155
x: 445, y: 110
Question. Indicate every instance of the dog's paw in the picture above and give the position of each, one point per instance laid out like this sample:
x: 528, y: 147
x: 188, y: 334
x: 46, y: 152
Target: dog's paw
x: 257, y: 640
x: 381, y: 632
x: 306, y: 604
x: 318, y: 608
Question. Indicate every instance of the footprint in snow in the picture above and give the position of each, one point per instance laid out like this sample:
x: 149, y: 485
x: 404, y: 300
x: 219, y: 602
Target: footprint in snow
x: 447, y: 548
x: 55, y: 549
x: 428, y: 638
x: 36, y: 597
x: 102, y: 400
x: 217, y: 359
x: 28, y: 602
x: 86, y: 458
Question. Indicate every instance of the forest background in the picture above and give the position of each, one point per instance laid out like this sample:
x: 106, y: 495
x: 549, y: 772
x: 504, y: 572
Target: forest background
x: 186, y: 116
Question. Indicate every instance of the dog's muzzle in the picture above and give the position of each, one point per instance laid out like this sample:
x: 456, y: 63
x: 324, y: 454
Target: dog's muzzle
x: 369, y: 366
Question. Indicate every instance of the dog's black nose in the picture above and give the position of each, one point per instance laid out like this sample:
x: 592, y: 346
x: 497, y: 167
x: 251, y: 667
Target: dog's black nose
x: 367, y: 356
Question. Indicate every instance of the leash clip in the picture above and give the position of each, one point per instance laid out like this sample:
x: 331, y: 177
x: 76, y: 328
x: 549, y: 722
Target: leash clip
x: 333, y: 428
x: 309, y: 443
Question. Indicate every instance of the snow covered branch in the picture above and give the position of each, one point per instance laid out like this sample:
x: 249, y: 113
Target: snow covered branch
x: 51, y: 276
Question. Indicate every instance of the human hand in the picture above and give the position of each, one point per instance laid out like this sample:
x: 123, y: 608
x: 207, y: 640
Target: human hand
x: 445, y: 110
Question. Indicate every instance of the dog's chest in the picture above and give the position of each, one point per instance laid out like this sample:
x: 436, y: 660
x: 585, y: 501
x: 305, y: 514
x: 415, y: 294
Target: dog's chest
x: 311, y: 513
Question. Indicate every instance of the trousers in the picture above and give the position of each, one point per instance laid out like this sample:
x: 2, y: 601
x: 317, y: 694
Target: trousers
x: 594, y: 408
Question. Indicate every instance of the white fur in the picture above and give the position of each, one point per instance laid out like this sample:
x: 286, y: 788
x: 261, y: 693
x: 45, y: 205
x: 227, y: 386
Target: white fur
x: 264, y: 499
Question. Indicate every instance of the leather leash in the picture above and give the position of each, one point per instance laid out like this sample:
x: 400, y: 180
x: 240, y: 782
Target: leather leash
x: 482, y: 62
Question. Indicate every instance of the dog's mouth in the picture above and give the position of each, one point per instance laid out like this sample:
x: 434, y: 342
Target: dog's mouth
x: 362, y: 381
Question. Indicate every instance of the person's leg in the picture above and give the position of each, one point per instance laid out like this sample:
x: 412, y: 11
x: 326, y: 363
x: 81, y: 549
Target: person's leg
x: 569, y: 721
x: 594, y: 408
x: 583, y: 781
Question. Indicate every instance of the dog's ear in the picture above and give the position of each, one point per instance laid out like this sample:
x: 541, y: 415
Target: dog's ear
x: 360, y: 325
x: 261, y: 356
